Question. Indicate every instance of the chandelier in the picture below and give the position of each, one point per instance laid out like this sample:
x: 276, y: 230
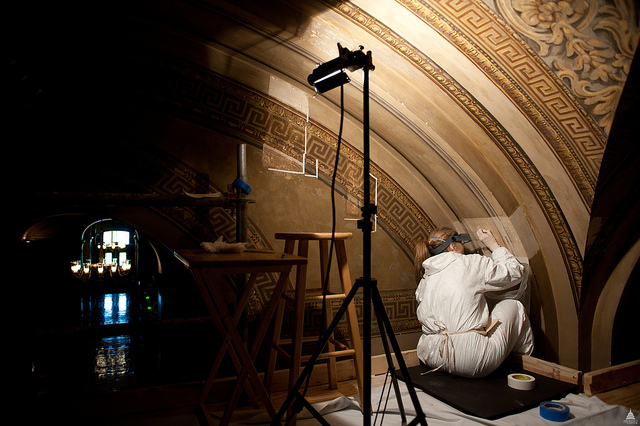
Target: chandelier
x: 84, y: 269
x: 108, y: 263
x: 110, y: 244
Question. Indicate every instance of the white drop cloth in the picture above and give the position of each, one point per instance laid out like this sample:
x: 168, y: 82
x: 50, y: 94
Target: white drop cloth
x: 345, y: 411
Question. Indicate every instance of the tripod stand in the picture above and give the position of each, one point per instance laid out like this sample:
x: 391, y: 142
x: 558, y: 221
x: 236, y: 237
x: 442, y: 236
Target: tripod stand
x: 371, y: 294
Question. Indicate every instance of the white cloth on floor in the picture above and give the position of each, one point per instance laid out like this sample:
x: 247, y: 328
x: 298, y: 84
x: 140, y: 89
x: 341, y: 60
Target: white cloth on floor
x: 452, y: 307
x: 585, y: 411
x: 346, y: 411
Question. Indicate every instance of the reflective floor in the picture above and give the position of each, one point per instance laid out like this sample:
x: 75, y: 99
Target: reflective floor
x: 112, y: 341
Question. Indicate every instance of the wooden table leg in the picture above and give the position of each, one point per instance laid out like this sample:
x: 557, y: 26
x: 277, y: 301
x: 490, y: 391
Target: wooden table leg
x: 249, y: 371
x: 277, y: 327
x: 224, y: 347
x: 328, y: 313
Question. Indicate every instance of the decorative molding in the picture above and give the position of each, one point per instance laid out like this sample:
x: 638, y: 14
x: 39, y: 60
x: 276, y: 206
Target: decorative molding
x: 522, y: 75
x: 401, y: 309
x: 553, y: 213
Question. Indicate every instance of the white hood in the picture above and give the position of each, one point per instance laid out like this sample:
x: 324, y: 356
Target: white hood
x: 439, y: 262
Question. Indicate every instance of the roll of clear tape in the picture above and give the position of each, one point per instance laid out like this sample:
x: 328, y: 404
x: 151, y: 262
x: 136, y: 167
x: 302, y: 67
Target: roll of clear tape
x: 521, y: 381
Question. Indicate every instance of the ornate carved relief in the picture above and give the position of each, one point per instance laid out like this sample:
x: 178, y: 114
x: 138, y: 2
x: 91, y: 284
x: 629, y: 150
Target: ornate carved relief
x: 589, y: 44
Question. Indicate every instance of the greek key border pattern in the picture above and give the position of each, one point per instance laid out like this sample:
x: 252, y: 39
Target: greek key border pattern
x: 524, y: 77
x: 400, y: 307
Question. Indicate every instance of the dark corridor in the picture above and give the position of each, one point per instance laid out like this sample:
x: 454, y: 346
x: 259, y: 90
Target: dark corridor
x: 111, y: 332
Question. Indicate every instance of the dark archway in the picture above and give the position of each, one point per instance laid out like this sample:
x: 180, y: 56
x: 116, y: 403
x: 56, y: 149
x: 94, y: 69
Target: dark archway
x: 613, y: 229
x: 89, y: 336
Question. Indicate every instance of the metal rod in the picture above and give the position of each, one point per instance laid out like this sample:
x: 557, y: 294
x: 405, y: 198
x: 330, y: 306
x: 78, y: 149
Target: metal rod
x: 102, y: 199
x: 241, y: 232
x: 241, y: 209
x: 366, y: 264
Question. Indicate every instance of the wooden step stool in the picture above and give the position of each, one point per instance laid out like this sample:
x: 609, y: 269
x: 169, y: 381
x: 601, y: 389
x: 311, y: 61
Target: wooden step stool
x: 301, y: 297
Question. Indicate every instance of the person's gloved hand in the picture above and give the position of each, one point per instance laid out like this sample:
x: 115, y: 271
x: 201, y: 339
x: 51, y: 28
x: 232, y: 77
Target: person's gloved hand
x: 486, y: 237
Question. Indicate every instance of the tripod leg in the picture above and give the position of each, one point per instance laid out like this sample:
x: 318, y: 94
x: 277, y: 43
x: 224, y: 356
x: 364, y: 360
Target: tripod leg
x: 366, y: 365
x: 392, y: 369
x: 386, y: 324
x: 293, y: 393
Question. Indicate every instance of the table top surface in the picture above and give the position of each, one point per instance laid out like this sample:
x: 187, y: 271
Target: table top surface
x: 313, y: 235
x: 202, y: 258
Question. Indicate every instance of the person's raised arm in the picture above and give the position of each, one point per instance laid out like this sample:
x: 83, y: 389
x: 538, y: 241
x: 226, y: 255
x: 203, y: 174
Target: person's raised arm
x: 486, y: 237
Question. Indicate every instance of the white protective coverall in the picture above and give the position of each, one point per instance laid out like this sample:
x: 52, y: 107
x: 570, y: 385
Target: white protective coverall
x: 452, y: 309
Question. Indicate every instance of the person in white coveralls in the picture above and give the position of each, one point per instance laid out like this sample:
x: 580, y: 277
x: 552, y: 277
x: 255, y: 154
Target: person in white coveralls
x: 461, y: 332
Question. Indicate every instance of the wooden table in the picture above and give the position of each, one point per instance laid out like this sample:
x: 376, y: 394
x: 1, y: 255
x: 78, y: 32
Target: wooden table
x: 209, y: 272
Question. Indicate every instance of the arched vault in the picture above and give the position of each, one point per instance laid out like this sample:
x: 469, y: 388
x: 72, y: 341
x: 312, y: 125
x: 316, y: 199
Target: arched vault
x: 488, y: 114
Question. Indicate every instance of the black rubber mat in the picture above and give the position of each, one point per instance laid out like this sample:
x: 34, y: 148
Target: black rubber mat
x: 489, y: 397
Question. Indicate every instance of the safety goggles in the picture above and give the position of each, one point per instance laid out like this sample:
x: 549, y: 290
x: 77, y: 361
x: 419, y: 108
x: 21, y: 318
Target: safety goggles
x: 455, y: 237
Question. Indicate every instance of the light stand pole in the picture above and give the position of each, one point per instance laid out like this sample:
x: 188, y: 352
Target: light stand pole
x: 327, y: 77
x: 368, y: 210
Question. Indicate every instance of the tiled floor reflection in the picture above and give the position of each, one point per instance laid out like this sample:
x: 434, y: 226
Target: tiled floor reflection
x: 113, y: 363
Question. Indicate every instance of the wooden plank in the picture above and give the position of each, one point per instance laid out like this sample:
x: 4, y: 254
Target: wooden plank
x: 313, y: 236
x: 379, y: 362
x: 319, y: 376
x: 248, y: 261
x: 547, y: 369
x: 528, y: 363
x: 611, y: 377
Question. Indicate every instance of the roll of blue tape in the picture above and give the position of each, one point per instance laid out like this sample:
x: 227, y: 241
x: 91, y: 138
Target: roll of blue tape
x: 554, y: 411
x: 242, y: 185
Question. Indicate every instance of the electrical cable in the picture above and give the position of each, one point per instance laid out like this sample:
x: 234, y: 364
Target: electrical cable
x: 325, y: 284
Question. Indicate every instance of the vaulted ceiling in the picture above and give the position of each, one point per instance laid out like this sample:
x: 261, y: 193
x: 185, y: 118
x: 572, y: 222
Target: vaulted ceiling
x: 491, y: 113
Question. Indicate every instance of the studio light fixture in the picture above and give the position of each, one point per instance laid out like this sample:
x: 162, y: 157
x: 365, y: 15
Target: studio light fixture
x: 332, y: 74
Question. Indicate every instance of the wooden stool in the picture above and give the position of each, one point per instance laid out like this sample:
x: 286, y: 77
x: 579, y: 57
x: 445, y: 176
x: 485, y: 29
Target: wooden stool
x: 300, y: 297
